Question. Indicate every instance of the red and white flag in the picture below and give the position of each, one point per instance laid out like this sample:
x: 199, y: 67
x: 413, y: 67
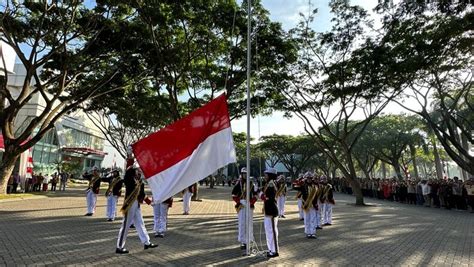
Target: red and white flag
x: 188, y: 150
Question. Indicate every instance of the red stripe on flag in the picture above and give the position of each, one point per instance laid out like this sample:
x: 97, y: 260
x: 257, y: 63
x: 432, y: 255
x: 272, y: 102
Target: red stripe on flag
x: 177, y: 141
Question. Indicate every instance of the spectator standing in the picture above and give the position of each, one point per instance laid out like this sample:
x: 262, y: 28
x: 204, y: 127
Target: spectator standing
x: 54, y: 182
x: 16, y: 182
x: 45, y: 183
x: 411, y: 190
x: 426, y: 190
x: 457, y: 193
x: 63, y: 181
x: 469, y: 186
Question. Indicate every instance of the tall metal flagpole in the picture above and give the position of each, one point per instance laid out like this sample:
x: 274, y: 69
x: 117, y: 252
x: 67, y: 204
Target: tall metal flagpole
x: 249, y: 16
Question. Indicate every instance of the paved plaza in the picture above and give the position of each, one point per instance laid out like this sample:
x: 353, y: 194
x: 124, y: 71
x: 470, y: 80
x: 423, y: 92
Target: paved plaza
x: 53, y: 231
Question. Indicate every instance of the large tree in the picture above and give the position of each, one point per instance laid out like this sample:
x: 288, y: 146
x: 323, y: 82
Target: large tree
x: 434, y: 41
x: 329, y: 90
x: 391, y: 136
x: 294, y: 152
x: 69, y: 52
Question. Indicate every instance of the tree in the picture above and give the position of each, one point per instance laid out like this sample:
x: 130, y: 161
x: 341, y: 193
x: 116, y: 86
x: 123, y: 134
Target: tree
x: 329, y: 86
x: 433, y: 40
x: 69, y: 52
x: 294, y: 153
x: 390, y: 137
x: 121, y: 127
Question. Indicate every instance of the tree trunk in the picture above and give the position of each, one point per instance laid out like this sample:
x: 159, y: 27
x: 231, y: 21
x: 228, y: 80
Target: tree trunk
x: 384, y: 170
x: 212, y: 181
x: 413, y: 159
x: 195, y: 196
x: 6, y: 169
x: 357, y: 191
x: 438, y: 166
x: 465, y: 145
x: 366, y: 173
x: 398, y: 170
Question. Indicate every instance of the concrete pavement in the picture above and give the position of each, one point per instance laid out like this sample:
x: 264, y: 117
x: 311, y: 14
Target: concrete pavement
x: 53, y: 231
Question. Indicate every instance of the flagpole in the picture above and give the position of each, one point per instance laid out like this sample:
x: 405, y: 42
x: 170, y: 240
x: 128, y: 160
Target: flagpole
x: 249, y: 16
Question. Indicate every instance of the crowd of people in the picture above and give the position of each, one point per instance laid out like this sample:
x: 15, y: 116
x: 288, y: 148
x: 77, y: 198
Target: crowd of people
x: 439, y: 193
x: 38, y: 182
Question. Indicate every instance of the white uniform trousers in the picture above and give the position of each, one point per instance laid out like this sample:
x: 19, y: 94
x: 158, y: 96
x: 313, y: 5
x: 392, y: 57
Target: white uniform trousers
x: 318, y: 216
x: 271, y: 233
x: 112, y: 206
x: 242, y: 217
x: 91, y: 201
x: 133, y: 216
x: 281, y: 205
x: 300, y: 208
x: 310, y: 221
x: 327, y: 211
x: 187, y: 201
x: 160, y: 216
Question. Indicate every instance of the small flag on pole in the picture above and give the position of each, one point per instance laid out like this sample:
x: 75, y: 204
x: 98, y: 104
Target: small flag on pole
x: 188, y: 150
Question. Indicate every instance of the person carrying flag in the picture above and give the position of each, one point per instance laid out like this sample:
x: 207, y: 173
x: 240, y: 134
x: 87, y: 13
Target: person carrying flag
x: 134, y: 195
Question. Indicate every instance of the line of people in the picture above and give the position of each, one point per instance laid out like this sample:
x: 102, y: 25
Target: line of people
x: 447, y: 193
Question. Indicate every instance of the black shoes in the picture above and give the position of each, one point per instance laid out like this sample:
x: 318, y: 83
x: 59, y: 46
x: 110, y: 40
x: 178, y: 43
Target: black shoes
x: 121, y: 251
x: 311, y: 236
x: 151, y: 245
x: 281, y: 216
x: 160, y: 235
x: 272, y: 255
x: 319, y: 227
x: 132, y: 226
x: 327, y: 224
x: 88, y: 214
x: 243, y: 246
x: 110, y: 220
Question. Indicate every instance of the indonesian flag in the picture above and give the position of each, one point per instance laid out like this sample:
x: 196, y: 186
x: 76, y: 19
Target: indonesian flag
x: 187, y: 151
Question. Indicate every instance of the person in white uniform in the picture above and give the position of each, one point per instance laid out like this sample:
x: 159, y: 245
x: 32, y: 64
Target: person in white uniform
x: 187, y: 194
x: 134, y: 195
x: 270, y: 220
x: 114, y: 191
x: 281, y: 195
x: 92, y: 190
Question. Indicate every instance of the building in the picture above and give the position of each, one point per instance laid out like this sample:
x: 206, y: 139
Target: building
x: 74, y: 144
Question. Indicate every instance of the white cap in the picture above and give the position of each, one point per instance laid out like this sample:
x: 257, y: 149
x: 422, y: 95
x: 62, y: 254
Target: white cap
x: 271, y: 170
x: 243, y: 170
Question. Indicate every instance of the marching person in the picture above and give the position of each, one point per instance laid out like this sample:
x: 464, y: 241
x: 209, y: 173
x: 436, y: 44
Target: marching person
x: 327, y: 200
x: 160, y: 216
x: 281, y: 195
x: 319, y: 211
x: 298, y: 184
x: 310, y: 206
x: 187, y: 194
x: 114, y: 191
x: 271, y: 212
x: 92, y: 190
x: 134, y: 195
x: 239, y: 195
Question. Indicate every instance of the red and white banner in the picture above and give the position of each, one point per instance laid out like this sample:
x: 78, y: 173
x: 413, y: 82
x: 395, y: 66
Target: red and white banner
x: 188, y: 150
x: 29, y: 164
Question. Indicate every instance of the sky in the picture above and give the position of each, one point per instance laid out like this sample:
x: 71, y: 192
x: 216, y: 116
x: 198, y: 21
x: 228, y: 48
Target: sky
x: 287, y: 13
